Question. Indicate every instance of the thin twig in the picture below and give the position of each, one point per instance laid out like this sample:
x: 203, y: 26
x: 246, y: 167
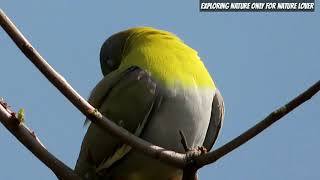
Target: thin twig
x: 30, y: 141
x: 184, y: 141
x: 171, y: 157
x: 189, y: 171
x: 273, y: 117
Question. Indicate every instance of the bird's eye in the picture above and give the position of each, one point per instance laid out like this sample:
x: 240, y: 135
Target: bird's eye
x: 110, y: 63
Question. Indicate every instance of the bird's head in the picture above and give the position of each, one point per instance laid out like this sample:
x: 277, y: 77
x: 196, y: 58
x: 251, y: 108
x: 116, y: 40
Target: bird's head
x: 116, y: 46
x: 111, y: 52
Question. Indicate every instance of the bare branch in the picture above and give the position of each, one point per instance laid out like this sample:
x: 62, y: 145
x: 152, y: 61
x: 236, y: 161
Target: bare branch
x: 30, y: 141
x: 171, y: 157
x: 258, y: 128
x: 183, y: 161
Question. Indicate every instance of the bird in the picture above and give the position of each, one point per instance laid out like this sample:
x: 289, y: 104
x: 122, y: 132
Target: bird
x: 154, y: 85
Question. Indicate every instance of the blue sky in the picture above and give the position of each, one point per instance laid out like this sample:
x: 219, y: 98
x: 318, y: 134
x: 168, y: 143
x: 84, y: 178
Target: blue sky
x: 259, y: 62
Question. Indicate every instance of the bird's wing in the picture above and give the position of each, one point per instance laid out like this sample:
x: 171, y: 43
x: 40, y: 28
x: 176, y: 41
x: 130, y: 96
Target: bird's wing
x: 216, y: 120
x: 127, y: 98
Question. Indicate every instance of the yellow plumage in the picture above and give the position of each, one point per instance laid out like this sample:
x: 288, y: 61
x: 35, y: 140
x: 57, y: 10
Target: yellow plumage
x: 166, y: 57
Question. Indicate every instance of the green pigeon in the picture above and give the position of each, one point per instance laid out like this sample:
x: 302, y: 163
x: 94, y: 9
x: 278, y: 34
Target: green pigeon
x: 154, y: 86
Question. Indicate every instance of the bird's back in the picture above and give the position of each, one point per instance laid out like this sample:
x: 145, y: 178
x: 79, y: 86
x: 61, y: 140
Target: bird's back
x: 166, y: 57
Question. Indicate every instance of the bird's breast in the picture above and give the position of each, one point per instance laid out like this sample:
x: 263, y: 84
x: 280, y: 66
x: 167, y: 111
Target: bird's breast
x: 185, y: 109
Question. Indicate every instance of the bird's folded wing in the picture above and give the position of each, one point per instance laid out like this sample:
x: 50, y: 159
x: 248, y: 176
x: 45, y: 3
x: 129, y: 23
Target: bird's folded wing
x: 129, y: 99
x: 216, y: 120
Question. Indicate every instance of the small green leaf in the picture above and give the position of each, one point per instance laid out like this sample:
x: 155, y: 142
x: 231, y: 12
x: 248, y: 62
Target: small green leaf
x: 21, y: 115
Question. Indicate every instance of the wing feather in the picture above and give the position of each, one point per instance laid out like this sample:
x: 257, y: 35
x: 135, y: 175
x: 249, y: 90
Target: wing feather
x: 216, y: 120
x: 128, y: 98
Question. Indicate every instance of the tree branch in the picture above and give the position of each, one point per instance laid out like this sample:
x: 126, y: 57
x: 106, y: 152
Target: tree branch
x: 176, y: 159
x: 30, y: 141
x: 171, y: 157
x: 273, y: 117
